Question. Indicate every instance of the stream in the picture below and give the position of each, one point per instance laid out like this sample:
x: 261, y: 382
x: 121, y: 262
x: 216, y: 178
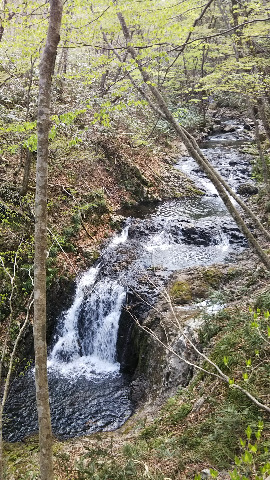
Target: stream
x: 89, y: 388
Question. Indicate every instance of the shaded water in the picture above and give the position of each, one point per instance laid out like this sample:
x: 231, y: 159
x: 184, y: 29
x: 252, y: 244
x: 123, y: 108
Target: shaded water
x: 88, y: 392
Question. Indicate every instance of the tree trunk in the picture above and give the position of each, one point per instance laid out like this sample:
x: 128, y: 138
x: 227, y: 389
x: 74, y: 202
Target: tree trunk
x: 266, y: 125
x: 43, y: 124
x: 2, y: 28
x: 265, y: 169
x: 9, y: 17
x: 26, y: 171
x: 190, y: 145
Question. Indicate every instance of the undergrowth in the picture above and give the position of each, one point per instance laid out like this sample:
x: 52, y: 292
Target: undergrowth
x: 203, y: 425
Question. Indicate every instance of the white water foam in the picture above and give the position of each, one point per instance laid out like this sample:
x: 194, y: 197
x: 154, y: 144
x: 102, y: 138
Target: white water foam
x: 159, y: 241
x: 120, y: 238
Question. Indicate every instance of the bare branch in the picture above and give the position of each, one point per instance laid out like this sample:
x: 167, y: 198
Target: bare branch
x: 188, y: 37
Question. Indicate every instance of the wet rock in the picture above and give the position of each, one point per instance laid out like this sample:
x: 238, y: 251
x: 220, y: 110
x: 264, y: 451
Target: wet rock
x: 140, y: 229
x: 229, y: 128
x: 138, y: 389
x: 244, y: 170
x: 234, y: 234
x: 198, y: 235
x: 248, y: 126
x: 217, y: 129
x: 247, y: 189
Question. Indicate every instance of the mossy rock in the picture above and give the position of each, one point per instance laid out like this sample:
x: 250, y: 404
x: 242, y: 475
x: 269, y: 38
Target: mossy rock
x: 200, y: 290
x: 212, y: 277
x: 181, y: 292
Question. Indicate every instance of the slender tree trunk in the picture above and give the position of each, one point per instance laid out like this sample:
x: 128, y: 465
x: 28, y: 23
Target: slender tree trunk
x: 264, y: 119
x: 43, y: 124
x: 2, y: 28
x: 102, y: 83
x: 10, y: 16
x: 190, y: 145
x: 62, y: 69
x: 265, y: 169
x: 26, y: 171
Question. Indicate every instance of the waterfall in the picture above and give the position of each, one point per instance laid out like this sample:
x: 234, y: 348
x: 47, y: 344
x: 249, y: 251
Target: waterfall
x: 86, y: 343
x: 87, y: 335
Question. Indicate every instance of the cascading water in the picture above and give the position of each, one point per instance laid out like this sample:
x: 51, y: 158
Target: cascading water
x: 87, y: 337
x: 88, y: 392
x: 87, y: 333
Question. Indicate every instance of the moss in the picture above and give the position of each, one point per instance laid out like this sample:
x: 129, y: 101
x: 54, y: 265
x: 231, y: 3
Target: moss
x: 212, y: 277
x: 177, y: 415
x: 149, y: 432
x: 194, y: 191
x: 233, y: 272
x: 181, y: 292
x: 200, y: 290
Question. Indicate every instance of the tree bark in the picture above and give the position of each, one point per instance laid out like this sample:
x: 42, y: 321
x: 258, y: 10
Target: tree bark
x: 43, y: 124
x: 26, y: 171
x: 190, y: 145
x: 265, y: 169
x: 262, y: 113
x: 9, y: 17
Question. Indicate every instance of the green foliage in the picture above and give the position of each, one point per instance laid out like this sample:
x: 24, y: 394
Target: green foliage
x: 95, y: 465
x: 189, y: 117
x: 95, y: 207
x: 178, y: 414
x: 149, y: 432
x: 263, y: 301
x: 251, y: 461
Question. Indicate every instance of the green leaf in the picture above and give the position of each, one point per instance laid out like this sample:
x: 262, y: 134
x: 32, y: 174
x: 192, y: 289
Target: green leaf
x: 248, y: 432
x: 253, y: 448
x: 247, y: 457
x: 260, y: 424
x: 235, y: 475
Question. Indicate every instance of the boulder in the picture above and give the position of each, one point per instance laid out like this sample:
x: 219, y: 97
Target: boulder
x: 247, y: 189
x: 229, y: 128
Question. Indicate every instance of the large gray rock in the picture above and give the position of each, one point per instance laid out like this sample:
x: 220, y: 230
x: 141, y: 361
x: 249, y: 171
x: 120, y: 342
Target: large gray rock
x: 247, y: 189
